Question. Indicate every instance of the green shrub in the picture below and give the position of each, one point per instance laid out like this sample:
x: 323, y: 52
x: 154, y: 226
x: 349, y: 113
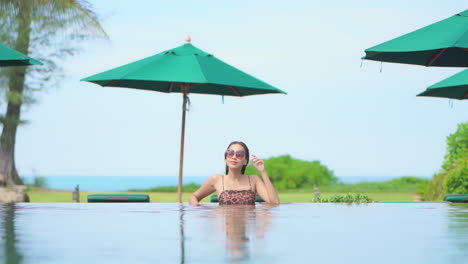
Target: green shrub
x: 453, y: 179
x: 457, y: 146
x: 288, y: 173
x: 436, y: 189
x: 456, y: 181
x: 347, y: 198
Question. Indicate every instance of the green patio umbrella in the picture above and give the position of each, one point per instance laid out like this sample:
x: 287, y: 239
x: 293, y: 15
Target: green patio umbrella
x: 12, y: 57
x: 443, y: 44
x: 185, y: 69
x: 454, y: 87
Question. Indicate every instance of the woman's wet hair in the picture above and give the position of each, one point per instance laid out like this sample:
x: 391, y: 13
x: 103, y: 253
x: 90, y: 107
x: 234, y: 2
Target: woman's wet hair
x: 247, y: 155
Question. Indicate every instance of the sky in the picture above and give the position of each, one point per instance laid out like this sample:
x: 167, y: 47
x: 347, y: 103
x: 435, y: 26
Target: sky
x: 339, y: 109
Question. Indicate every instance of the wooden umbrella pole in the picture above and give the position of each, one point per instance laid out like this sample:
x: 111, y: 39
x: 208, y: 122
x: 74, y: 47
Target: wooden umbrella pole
x: 182, y: 139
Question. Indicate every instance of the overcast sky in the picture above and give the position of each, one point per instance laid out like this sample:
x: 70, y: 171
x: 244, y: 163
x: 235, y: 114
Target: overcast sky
x: 354, y: 119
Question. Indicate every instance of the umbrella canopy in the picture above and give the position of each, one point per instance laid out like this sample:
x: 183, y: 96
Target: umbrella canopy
x: 168, y: 71
x: 444, y: 44
x: 185, y: 69
x: 11, y: 57
x: 454, y: 87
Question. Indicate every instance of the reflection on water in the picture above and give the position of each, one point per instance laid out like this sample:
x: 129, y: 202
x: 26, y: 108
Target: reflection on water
x: 241, y: 222
x: 10, y: 253
x: 236, y: 220
x: 458, y: 229
x: 182, y: 236
x: 416, y: 233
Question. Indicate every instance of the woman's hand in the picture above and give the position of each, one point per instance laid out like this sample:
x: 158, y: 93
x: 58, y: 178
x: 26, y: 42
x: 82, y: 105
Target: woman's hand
x: 194, y: 200
x: 264, y: 187
x: 258, y: 163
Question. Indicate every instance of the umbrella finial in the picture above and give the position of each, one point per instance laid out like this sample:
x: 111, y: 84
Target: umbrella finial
x: 188, y: 39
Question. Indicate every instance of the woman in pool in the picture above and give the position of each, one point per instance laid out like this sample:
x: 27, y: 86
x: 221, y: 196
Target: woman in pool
x: 235, y: 187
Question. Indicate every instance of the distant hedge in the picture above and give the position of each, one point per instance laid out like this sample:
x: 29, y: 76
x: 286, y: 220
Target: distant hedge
x: 191, y: 187
x: 288, y: 173
x: 402, y: 184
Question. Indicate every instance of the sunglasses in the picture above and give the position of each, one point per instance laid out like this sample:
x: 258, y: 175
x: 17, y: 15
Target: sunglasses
x: 240, y: 154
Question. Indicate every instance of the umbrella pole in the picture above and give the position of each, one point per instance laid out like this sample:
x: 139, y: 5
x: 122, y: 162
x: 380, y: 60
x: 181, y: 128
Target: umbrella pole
x: 182, y: 138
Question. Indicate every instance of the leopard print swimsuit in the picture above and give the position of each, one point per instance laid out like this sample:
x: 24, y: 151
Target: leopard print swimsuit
x: 237, y: 197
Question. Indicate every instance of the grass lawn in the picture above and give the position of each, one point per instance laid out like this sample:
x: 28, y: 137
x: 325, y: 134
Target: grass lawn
x: 41, y: 195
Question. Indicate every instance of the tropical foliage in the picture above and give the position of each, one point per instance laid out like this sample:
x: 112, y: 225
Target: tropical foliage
x: 288, y: 173
x: 40, y: 182
x: 453, y: 179
x: 47, y: 30
x: 457, y: 147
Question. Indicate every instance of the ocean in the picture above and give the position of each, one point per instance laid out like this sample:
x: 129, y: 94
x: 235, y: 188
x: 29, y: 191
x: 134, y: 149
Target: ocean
x: 124, y: 183
x: 113, y: 183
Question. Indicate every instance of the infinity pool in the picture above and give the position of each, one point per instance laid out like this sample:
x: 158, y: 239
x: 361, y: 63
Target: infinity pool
x: 289, y: 233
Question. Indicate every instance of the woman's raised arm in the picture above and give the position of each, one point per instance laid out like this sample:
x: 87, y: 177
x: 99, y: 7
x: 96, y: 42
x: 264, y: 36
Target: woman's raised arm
x: 265, y: 188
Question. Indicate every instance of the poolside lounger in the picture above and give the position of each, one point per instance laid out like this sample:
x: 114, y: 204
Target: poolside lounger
x: 456, y: 198
x: 118, y: 198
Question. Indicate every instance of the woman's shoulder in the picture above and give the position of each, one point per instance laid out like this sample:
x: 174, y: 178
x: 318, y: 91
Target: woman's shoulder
x: 253, y: 177
x: 215, y: 177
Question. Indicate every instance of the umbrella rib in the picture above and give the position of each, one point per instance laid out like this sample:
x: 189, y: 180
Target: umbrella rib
x: 433, y: 59
x: 181, y: 84
x: 112, y: 82
x: 235, y: 90
x: 171, y: 86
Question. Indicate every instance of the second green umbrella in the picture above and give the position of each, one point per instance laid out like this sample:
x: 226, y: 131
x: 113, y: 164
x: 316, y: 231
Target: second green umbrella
x: 443, y: 44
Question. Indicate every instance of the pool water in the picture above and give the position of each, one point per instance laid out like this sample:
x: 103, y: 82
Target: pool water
x: 288, y: 233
